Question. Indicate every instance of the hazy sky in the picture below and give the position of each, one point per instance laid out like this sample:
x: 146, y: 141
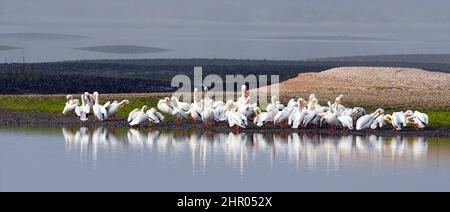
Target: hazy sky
x: 234, y: 11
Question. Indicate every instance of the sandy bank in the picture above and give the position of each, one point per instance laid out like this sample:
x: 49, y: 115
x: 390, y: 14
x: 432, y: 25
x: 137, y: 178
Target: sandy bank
x: 399, y: 88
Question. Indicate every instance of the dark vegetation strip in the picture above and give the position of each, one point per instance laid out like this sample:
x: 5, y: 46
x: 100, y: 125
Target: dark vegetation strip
x: 154, y: 75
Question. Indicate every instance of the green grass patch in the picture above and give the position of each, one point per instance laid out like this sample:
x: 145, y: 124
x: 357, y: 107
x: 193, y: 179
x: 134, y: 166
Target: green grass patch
x: 32, y: 103
x: 51, y: 104
x: 438, y: 118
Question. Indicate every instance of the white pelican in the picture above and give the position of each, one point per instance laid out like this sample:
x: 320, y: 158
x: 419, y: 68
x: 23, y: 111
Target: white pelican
x: 236, y: 118
x: 154, y: 117
x: 89, y: 98
x: 296, y: 118
x: 282, y: 116
x: 346, y: 121
x: 279, y: 106
x: 273, y: 102
x: 394, y: 121
x: 247, y: 110
x: 196, y: 108
x: 180, y: 109
x: 82, y: 111
x: 179, y: 104
x: 99, y: 110
x: 310, y: 100
x: 71, y: 104
x: 139, y: 117
x: 365, y: 121
x: 421, y: 119
x: 132, y: 115
x: 312, y: 115
x: 219, y: 111
x: 207, y: 114
x: 267, y: 116
x: 242, y: 100
x: 408, y: 113
x: 179, y: 114
x: 165, y: 106
x: 347, y: 112
x: 292, y: 103
x: 218, y: 104
x: 397, y: 120
x: 319, y: 108
x: 377, y: 123
x: 337, y: 106
x: 208, y: 101
x: 113, y: 108
x: 331, y: 117
x: 243, y: 103
x: 401, y: 116
x: 357, y: 112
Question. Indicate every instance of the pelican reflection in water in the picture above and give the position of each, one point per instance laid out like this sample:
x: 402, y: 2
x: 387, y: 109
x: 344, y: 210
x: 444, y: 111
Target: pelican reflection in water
x: 310, y: 152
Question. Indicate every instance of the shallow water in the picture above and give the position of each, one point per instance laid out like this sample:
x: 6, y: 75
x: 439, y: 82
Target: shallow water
x: 130, y: 160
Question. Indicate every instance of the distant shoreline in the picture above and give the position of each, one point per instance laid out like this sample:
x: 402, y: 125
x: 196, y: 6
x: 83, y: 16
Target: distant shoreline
x: 6, y: 48
x: 123, y: 49
x: 155, y: 75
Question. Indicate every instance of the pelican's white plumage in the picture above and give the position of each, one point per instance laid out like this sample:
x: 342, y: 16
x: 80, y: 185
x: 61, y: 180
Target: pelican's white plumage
x: 267, y: 116
x: 346, y: 121
x: 283, y: 115
x: 421, y: 119
x: 337, y: 106
x: 180, y: 114
x: 165, y: 106
x: 99, y: 110
x: 207, y: 114
x: 330, y: 117
x: 140, y: 117
x: 242, y: 100
x: 132, y: 115
x: 378, y: 122
x: 196, y: 108
x: 236, y: 118
x: 365, y: 121
x: 358, y: 112
x: 71, y: 104
x: 396, y: 120
x: 154, y: 116
x: 113, y: 108
x: 81, y: 111
x: 311, y: 117
x: 312, y: 112
x: 89, y: 98
x: 296, y: 118
x: 219, y: 112
x: 179, y: 104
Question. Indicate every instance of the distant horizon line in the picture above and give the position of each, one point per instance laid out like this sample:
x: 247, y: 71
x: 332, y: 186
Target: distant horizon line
x: 320, y: 59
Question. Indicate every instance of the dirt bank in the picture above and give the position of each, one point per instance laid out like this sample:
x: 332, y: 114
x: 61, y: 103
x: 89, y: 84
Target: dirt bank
x: 23, y: 118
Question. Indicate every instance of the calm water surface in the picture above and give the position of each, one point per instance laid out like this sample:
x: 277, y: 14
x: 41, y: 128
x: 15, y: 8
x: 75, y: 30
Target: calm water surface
x: 217, y: 41
x: 129, y: 160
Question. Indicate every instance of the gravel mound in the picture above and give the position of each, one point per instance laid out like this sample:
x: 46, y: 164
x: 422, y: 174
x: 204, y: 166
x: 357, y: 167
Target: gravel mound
x: 399, y: 88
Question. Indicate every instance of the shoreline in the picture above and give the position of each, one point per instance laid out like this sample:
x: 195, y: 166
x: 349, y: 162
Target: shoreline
x: 39, y: 119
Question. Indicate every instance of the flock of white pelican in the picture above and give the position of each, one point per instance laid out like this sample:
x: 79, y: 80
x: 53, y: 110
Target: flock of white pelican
x: 298, y: 113
x: 91, y: 101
